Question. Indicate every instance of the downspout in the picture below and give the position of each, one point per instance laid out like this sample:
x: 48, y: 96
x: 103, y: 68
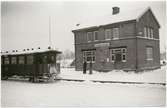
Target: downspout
x: 136, y: 46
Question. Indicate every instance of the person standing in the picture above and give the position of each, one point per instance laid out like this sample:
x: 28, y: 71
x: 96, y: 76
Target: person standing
x: 84, y: 67
x: 90, y: 68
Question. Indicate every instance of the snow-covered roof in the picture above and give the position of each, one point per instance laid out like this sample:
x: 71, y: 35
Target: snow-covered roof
x: 123, y: 15
x: 30, y: 51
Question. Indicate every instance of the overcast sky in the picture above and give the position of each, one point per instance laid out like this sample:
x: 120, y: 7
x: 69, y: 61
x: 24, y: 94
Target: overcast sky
x: 26, y: 24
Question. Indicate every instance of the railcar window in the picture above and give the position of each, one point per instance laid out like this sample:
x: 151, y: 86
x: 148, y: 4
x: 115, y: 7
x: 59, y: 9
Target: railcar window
x: 52, y: 58
x: 21, y: 60
x: 2, y: 60
x: 30, y: 59
x: 13, y: 60
x: 45, y: 59
x: 6, y: 60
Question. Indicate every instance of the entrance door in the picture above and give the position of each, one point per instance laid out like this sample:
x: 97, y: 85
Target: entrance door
x: 118, y: 60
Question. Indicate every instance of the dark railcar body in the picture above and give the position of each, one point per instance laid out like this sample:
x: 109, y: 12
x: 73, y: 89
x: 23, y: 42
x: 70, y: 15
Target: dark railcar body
x: 35, y: 66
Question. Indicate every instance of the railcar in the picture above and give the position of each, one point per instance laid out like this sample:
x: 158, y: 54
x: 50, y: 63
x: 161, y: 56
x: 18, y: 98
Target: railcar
x: 37, y: 66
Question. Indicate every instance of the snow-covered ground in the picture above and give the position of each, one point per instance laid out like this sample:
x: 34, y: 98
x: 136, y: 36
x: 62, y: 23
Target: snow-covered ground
x: 87, y: 93
x: 66, y: 62
x: 155, y: 76
x: 73, y: 94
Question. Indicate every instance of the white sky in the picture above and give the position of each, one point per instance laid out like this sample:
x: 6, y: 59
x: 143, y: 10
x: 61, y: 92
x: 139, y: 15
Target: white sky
x: 26, y: 24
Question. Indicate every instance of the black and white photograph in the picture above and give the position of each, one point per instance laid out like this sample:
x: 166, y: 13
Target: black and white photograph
x: 71, y: 53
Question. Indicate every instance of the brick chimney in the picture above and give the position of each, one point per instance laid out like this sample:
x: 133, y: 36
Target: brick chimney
x: 115, y: 10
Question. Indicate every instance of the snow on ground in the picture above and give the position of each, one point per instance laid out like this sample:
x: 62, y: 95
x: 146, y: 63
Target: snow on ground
x: 75, y: 94
x: 152, y: 76
x: 66, y: 62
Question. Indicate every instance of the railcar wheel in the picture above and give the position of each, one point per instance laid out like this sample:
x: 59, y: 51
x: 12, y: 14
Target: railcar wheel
x: 4, y: 77
x: 30, y: 79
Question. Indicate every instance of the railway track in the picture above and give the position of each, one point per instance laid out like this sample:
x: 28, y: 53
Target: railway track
x: 95, y: 81
x: 122, y: 82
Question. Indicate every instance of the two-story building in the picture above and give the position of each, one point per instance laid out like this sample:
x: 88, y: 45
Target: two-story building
x: 128, y: 41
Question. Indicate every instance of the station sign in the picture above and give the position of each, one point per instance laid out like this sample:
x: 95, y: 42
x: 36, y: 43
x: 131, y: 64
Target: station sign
x: 102, y: 45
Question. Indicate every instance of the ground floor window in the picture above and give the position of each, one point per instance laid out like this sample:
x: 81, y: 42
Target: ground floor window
x: 118, y: 54
x: 89, y: 56
x: 149, y: 53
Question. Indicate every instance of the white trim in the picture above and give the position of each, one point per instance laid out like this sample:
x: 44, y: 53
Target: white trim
x: 117, y: 38
x: 96, y: 40
x: 150, y: 59
x: 148, y: 53
x: 94, y: 35
x: 114, y: 31
x: 88, y: 36
x: 84, y: 56
x: 146, y: 38
x: 107, y: 30
x: 123, y: 60
x: 107, y: 39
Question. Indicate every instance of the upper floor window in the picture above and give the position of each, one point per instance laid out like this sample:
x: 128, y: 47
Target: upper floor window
x: 108, y: 34
x: 95, y: 35
x: 89, y: 36
x: 145, y: 32
x: 149, y: 53
x: 151, y: 31
x: 148, y: 32
x: 115, y: 33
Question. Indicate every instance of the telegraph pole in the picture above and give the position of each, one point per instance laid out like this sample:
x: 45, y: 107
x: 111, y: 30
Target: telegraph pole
x: 50, y: 43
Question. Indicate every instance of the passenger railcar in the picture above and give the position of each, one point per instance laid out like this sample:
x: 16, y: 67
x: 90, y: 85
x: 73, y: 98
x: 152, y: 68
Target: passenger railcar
x: 37, y: 66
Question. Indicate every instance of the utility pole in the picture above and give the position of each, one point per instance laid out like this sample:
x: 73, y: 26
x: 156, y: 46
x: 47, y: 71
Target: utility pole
x: 50, y: 32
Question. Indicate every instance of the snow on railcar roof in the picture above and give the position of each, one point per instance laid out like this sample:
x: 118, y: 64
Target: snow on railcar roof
x: 125, y: 15
x: 24, y: 51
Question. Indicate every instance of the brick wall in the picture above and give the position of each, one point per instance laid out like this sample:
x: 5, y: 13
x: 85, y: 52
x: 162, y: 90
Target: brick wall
x: 103, y: 53
x: 141, y: 58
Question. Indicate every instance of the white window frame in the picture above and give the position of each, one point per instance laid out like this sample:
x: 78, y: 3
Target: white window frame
x: 123, y: 53
x: 152, y: 33
x: 148, y: 32
x: 145, y: 32
x: 149, y: 53
x: 85, y: 56
x: 88, y: 36
x: 112, y: 54
x: 106, y: 34
x: 95, y: 35
x: 114, y: 33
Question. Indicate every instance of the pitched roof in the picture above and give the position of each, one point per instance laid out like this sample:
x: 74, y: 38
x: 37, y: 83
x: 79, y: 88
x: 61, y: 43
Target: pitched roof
x: 134, y: 14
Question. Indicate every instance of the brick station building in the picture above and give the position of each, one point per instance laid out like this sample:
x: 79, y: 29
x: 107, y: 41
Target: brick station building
x: 124, y: 40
